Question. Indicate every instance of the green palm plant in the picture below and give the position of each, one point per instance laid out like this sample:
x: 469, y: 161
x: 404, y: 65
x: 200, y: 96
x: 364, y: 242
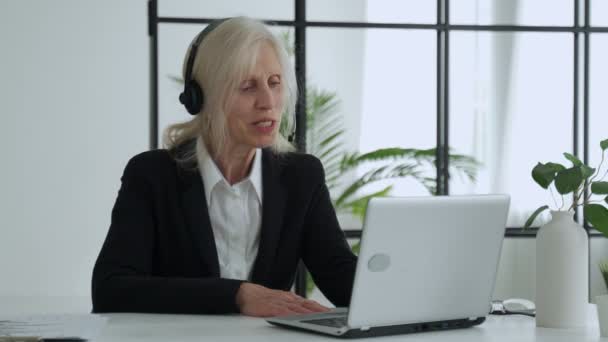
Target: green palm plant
x: 324, y: 139
x: 325, y: 133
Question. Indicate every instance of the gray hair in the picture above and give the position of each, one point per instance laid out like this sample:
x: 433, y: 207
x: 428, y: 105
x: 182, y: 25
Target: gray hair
x: 226, y: 55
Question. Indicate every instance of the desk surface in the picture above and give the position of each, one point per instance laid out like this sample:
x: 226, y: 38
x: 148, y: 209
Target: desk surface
x: 143, y: 327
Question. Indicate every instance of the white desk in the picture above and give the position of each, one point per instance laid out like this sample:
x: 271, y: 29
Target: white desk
x: 174, y: 328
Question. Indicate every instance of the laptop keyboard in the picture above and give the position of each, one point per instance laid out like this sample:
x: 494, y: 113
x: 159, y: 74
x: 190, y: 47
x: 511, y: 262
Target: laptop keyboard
x: 334, y: 322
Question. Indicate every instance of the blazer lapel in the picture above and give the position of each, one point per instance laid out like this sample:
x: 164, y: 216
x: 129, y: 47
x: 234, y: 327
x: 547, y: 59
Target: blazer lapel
x: 274, y: 199
x: 196, y: 215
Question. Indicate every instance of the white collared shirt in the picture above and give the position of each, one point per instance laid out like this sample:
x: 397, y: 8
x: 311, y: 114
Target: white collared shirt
x: 235, y: 214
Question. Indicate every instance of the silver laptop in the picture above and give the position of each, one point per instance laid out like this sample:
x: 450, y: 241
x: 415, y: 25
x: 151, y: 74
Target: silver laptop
x: 426, y: 263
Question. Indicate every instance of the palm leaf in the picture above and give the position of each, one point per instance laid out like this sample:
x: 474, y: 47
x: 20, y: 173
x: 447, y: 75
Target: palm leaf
x: 418, y: 163
x: 354, y: 160
x: 359, y: 205
x: 325, y: 139
x: 325, y: 133
x: 374, y: 175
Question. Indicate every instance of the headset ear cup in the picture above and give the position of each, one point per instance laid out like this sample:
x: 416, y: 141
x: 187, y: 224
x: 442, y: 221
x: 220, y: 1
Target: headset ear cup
x: 192, y: 97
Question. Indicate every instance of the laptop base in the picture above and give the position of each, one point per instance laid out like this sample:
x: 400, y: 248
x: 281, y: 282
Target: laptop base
x: 393, y: 329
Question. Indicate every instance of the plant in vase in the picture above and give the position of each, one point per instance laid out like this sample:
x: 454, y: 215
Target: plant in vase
x: 602, y: 302
x: 562, y: 244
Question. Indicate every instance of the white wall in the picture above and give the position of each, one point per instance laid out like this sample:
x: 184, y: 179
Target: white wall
x: 74, y: 108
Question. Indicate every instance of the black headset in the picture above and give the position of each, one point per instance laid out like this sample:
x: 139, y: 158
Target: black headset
x: 192, y: 97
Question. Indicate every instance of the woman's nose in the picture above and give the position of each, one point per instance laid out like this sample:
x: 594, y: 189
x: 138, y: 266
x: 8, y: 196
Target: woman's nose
x: 265, y: 98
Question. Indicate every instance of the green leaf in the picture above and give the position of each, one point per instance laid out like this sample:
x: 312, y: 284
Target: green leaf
x: 357, y: 247
x: 331, y: 138
x: 544, y: 174
x: 323, y: 122
x: 534, y: 215
x: 324, y: 154
x: 599, y: 188
x: 573, y: 159
x: 359, y: 206
x: 384, y: 154
x: 286, y: 39
x: 597, y: 215
x: 376, y: 174
x: 558, y: 167
x: 325, y: 139
x: 587, y: 171
x: 176, y: 79
x: 368, y: 177
x: 568, y: 180
x: 310, y: 284
x: 604, y: 144
x: 604, y: 270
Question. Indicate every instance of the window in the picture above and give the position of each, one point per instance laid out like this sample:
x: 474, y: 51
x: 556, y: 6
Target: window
x: 509, y: 83
x: 510, y: 107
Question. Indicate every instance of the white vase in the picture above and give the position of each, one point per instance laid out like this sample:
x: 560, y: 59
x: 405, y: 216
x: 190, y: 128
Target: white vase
x: 602, y: 314
x: 562, y: 256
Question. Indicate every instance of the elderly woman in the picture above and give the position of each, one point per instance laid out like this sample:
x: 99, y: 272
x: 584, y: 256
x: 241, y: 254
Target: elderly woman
x: 218, y: 222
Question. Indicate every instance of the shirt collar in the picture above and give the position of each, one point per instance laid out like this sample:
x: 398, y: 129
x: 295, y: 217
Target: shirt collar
x: 211, y: 174
x: 255, y: 176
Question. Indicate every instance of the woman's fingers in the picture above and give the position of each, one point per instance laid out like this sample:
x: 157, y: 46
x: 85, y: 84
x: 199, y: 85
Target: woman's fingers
x: 284, y: 311
x: 290, y: 296
x: 314, y: 306
x: 255, y: 300
x: 299, y: 308
x: 306, y: 305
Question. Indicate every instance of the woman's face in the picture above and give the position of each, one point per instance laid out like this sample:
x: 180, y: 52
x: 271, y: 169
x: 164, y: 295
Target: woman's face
x: 254, y: 114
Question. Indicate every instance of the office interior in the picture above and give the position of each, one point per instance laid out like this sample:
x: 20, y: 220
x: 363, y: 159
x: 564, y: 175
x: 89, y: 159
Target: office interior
x: 76, y: 103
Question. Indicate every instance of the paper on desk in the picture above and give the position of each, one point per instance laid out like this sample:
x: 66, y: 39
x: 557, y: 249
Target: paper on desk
x: 85, y: 326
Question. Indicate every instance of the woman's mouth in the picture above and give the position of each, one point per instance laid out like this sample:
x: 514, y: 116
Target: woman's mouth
x: 265, y: 126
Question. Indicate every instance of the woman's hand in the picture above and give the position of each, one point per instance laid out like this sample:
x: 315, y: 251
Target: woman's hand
x: 259, y: 301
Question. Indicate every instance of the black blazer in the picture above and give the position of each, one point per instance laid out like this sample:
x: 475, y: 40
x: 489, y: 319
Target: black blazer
x: 159, y: 254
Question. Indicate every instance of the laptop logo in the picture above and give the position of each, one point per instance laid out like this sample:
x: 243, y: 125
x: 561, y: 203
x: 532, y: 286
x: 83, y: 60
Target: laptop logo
x: 379, y: 262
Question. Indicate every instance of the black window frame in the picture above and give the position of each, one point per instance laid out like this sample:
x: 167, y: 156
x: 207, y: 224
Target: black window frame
x: 443, y: 28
